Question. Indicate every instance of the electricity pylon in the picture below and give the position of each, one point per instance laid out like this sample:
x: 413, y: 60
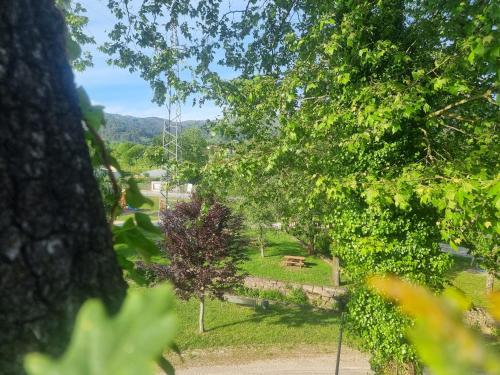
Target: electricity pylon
x: 171, y: 127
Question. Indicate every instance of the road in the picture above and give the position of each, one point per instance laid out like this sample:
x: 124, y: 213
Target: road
x: 352, y: 363
x: 151, y: 193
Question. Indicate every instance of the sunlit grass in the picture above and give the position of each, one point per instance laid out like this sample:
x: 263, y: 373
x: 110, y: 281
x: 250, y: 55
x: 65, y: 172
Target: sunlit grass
x: 468, y: 279
x: 230, y: 325
x: 278, y: 245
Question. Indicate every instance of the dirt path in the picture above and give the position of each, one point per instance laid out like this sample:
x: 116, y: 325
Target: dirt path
x: 277, y: 363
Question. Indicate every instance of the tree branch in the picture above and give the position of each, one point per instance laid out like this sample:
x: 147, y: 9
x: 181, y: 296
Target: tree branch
x: 107, y: 163
x: 439, y: 112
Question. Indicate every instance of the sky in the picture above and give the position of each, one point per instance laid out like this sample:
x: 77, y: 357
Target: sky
x: 118, y: 90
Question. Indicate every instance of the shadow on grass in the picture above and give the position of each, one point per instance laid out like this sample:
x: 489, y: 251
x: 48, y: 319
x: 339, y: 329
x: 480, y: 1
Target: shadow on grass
x: 287, y: 316
x: 279, y: 249
x: 461, y: 264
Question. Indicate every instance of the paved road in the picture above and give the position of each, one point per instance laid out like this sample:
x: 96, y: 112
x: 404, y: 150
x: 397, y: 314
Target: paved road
x: 352, y: 363
x: 151, y: 193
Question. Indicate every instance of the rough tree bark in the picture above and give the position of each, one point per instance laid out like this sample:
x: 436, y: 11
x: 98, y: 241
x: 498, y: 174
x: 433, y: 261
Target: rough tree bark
x: 55, y: 246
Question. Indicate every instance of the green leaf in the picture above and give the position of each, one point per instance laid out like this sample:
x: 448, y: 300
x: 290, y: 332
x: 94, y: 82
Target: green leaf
x: 344, y: 78
x: 93, y: 115
x: 73, y: 49
x: 134, y: 196
x: 166, y: 366
x: 135, y: 239
x: 417, y: 74
x: 371, y: 195
x: 127, y: 225
x: 126, y: 344
x: 144, y: 222
x: 401, y: 201
x: 128, y: 265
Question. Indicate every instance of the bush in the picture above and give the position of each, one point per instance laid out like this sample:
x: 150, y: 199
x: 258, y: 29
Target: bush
x: 272, y: 295
x: 244, y: 291
x: 297, y: 296
x: 396, y: 242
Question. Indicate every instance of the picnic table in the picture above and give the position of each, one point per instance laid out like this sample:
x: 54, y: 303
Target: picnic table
x: 294, y: 261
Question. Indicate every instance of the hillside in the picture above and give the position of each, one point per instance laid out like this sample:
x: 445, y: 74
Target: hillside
x: 120, y: 128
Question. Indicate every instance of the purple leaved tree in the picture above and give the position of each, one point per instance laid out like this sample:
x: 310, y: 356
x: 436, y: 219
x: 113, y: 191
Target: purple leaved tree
x: 204, y: 245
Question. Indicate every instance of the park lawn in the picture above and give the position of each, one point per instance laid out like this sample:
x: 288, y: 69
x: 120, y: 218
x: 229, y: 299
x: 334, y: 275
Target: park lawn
x: 230, y: 325
x: 279, y: 244
x: 469, y: 280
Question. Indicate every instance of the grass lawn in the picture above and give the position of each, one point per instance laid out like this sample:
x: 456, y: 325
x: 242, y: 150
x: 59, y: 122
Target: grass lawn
x: 279, y: 244
x: 468, y: 279
x: 230, y: 325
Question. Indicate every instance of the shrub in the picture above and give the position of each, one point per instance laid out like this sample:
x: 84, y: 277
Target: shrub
x: 272, y: 295
x: 297, y: 296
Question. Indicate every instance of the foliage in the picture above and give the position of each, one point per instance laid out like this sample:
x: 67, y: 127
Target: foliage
x: 135, y: 157
x: 439, y: 335
x: 106, y: 187
x: 297, y: 296
x: 294, y: 296
x: 392, y: 124
x: 140, y: 30
x: 76, y: 21
x: 381, y: 117
x: 193, y: 155
x: 128, y: 343
x: 204, y: 246
x: 256, y: 201
x: 136, y: 235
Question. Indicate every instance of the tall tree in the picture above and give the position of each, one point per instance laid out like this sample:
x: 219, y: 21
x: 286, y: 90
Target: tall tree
x: 55, y: 245
x: 204, y: 245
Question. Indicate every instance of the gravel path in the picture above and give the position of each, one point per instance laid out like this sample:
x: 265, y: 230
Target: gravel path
x: 352, y: 363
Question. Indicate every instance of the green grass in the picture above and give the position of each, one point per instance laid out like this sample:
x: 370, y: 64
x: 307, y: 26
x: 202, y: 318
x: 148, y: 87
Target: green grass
x: 279, y: 244
x: 230, y: 325
x: 467, y: 279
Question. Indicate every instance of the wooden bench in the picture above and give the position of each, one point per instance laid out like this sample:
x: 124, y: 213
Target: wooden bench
x: 293, y: 261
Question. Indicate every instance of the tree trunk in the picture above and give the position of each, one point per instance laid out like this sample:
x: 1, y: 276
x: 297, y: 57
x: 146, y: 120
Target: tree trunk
x: 261, y: 240
x: 490, y: 281
x: 201, y: 319
x: 55, y: 245
x: 335, y: 271
x: 312, y: 240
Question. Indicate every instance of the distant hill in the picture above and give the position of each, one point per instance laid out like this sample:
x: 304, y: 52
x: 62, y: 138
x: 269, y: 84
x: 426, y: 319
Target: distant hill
x: 120, y: 128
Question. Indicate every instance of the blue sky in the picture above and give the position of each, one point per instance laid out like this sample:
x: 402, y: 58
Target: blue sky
x: 119, y: 90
